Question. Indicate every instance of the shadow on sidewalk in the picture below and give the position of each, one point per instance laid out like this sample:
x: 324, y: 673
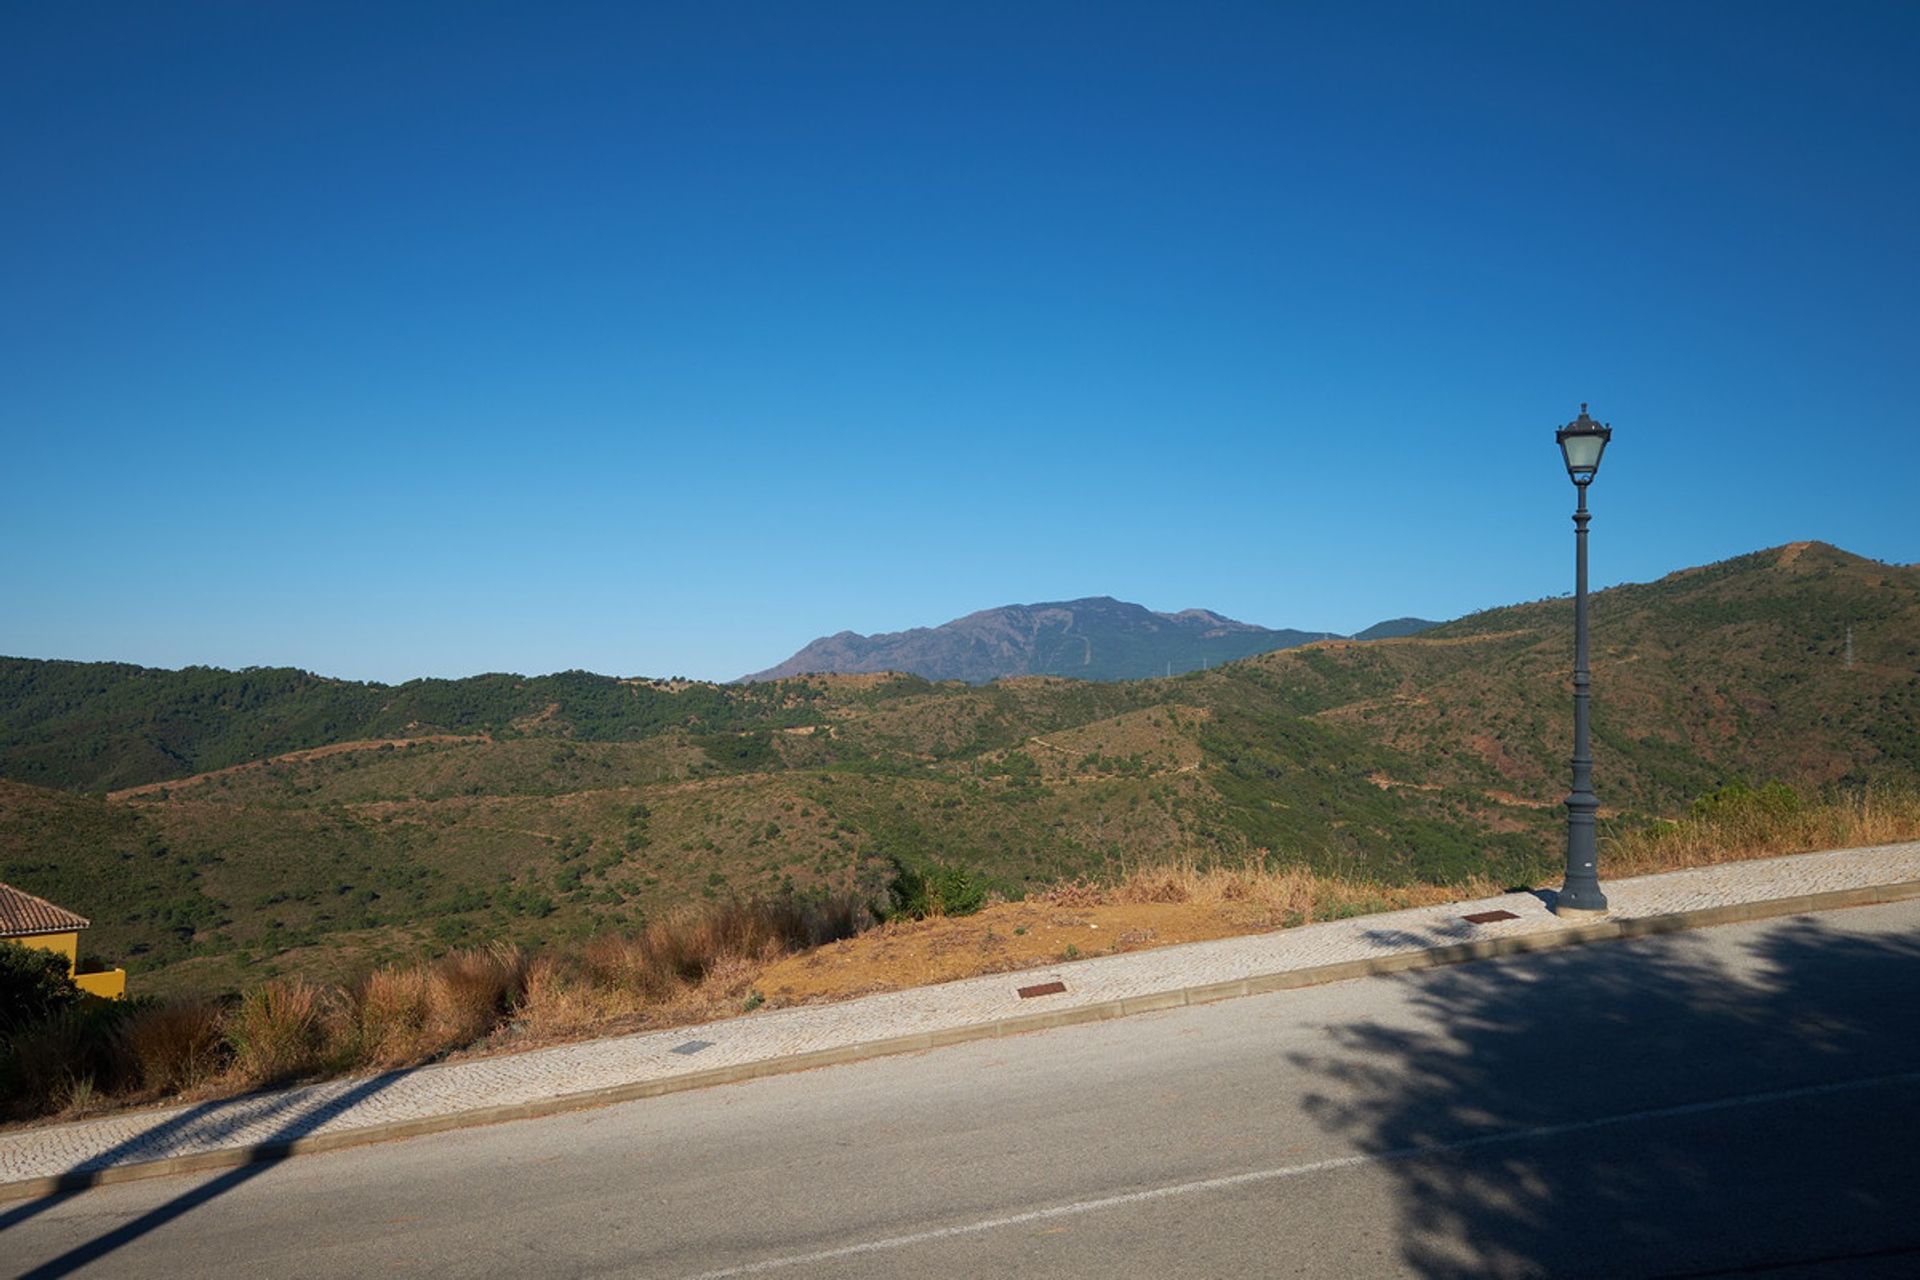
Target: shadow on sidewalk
x: 300, y: 1113
x: 1649, y: 1108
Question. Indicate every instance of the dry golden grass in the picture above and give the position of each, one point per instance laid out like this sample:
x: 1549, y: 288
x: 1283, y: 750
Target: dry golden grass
x: 721, y: 991
x: 1739, y: 823
x: 468, y: 991
x: 279, y: 1032
x: 1255, y: 890
x: 177, y: 1046
x: 687, y: 968
x: 387, y: 1017
x: 566, y: 999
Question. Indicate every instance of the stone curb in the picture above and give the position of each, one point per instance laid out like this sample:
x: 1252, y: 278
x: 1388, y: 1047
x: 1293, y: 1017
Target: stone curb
x: 1314, y: 975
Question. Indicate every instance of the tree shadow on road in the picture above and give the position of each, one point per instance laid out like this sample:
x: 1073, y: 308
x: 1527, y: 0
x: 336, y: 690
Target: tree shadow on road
x: 1646, y: 1108
x: 298, y: 1113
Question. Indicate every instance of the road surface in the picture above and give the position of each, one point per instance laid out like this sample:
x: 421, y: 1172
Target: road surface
x: 1741, y: 1100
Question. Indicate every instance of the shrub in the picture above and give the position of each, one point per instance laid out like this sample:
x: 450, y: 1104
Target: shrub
x: 611, y: 961
x: 34, y: 986
x: 470, y: 990
x: 64, y: 1060
x: 175, y: 1046
x: 938, y: 891
x: 957, y: 891
x: 681, y: 948
x: 278, y: 1032
x: 389, y: 1010
x: 562, y: 999
x: 1738, y: 803
x: 400, y: 1016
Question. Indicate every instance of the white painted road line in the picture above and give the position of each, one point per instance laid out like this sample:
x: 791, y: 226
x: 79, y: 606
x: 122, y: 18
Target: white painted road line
x: 1301, y: 1170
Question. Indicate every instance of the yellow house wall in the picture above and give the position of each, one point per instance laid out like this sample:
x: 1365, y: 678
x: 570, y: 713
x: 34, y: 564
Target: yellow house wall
x: 67, y: 944
x: 108, y: 984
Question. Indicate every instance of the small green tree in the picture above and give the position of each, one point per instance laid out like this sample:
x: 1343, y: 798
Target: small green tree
x: 939, y: 890
x: 1737, y: 801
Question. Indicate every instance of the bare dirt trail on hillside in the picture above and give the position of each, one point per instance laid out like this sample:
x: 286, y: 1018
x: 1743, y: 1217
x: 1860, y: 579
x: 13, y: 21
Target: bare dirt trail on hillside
x: 293, y: 757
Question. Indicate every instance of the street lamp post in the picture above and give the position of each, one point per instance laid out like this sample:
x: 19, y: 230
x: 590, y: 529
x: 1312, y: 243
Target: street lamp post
x: 1582, y: 441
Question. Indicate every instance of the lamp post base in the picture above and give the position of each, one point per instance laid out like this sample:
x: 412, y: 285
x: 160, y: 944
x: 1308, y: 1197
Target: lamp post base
x: 1581, y: 914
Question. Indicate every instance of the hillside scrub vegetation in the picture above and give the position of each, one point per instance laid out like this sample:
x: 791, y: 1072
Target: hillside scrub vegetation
x: 67, y: 1055
x: 223, y: 828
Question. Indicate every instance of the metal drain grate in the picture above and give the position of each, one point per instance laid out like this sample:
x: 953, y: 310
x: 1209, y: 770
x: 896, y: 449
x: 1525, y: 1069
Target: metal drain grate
x: 691, y: 1047
x: 1042, y: 989
x: 1488, y: 917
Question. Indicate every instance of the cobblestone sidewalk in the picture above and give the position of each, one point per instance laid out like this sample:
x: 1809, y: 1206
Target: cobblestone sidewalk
x: 229, y: 1131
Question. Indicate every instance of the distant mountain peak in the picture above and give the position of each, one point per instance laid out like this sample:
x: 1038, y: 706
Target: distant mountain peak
x: 1092, y: 638
x: 1209, y: 618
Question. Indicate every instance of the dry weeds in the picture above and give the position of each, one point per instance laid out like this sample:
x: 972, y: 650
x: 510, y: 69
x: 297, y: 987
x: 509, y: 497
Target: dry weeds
x: 709, y: 963
x: 469, y: 991
x: 1257, y: 890
x: 279, y: 1032
x: 177, y: 1046
x: 1738, y: 824
x: 564, y: 1000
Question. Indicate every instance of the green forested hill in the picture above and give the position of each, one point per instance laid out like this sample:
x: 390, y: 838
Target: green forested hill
x: 575, y: 802
x: 106, y: 726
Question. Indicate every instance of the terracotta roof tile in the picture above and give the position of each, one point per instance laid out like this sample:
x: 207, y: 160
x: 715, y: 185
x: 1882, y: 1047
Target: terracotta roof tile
x: 22, y: 914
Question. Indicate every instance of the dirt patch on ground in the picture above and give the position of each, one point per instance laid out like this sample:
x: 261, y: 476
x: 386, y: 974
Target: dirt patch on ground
x: 1513, y: 801
x: 1494, y: 752
x: 853, y: 681
x: 998, y: 939
x: 1383, y: 782
x: 543, y: 716
x: 1414, y: 641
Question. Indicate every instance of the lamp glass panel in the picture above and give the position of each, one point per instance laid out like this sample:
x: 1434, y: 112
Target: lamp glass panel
x: 1583, y: 451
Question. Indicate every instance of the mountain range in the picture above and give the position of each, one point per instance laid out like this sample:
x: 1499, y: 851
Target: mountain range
x: 1095, y: 638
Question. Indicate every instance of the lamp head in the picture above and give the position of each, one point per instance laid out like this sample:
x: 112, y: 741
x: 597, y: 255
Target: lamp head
x: 1582, y: 441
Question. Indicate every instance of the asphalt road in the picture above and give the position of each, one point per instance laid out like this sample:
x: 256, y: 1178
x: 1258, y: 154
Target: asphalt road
x: 1735, y: 1101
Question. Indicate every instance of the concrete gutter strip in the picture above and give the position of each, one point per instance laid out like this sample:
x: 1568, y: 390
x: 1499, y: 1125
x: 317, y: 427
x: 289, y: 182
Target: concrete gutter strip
x: 1281, y: 980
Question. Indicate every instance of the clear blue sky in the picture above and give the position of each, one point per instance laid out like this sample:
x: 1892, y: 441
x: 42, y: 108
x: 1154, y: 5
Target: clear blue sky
x: 392, y: 340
